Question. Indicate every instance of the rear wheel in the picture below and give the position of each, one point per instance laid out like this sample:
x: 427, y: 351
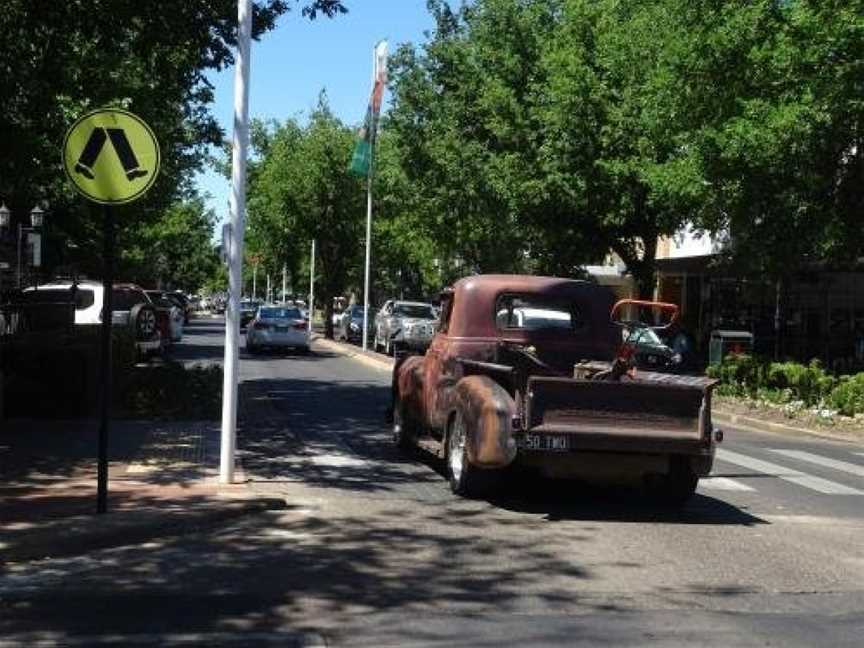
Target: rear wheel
x: 674, y: 488
x: 403, y: 432
x: 466, y: 479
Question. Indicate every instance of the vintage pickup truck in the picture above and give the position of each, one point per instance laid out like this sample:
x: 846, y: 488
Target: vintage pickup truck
x: 530, y: 372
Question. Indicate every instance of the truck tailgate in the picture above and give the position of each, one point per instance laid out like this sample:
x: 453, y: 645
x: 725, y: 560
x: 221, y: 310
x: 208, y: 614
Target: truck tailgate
x: 666, y: 414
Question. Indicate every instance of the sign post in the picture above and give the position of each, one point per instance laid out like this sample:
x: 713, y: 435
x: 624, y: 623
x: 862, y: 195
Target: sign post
x: 112, y: 158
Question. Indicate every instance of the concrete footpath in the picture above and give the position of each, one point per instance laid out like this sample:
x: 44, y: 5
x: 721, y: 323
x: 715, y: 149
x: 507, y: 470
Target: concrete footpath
x: 723, y: 416
x: 163, y: 480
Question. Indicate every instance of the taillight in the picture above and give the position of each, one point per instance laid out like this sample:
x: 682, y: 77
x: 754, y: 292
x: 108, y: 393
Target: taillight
x: 299, y: 326
x: 261, y: 326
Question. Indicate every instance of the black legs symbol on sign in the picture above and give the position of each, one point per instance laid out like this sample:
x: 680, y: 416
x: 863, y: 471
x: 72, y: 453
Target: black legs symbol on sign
x: 93, y: 148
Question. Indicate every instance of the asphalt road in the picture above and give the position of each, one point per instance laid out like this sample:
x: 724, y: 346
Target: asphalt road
x: 374, y: 550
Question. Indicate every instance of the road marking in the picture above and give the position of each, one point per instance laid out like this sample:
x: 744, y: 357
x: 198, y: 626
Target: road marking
x: 842, y: 466
x: 787, y: 474
x: 723, y: 484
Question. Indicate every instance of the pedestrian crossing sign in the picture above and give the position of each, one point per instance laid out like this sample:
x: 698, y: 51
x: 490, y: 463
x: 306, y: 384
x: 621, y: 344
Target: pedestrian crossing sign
x: 111, y: 156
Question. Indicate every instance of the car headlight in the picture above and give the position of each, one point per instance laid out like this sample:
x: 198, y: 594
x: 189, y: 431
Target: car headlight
x: 676, y: 358
x: 354, y: 327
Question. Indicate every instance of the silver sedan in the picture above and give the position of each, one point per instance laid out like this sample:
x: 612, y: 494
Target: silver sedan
x: 278, y: 327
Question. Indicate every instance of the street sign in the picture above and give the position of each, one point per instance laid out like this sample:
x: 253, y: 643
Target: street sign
x: 111, y: 156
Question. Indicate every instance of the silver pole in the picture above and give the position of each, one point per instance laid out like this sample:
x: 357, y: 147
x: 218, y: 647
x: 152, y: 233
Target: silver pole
x: 312, y: 288
x: 284, y: 282
x: 268, y: 298
x: 254, y: 280
x: 368, y: 261
x: 235, y: 258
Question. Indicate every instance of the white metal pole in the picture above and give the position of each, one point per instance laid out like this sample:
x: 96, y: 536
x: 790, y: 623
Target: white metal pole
x: 254, y: 280
x: 368, y: 260
x: 312, y: 288
x: 284, y: 282
x: 268, y: 299
x: 238, y: 224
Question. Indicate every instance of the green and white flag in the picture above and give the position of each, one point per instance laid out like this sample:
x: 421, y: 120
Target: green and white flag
x: 361, y: 162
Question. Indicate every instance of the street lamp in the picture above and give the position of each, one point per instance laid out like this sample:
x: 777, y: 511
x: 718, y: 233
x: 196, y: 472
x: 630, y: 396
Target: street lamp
x: 37, y: 219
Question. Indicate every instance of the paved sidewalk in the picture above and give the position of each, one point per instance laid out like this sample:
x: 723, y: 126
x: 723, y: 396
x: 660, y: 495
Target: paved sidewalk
x: 163, y: 478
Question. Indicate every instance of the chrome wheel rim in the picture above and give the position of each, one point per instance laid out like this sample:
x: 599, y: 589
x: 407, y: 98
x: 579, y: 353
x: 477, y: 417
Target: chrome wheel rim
x: 147, y: 322
x: 397, y: 422
x: 456, y: 448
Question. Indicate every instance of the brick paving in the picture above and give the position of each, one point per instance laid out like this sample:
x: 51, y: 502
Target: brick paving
x: 48, y: 468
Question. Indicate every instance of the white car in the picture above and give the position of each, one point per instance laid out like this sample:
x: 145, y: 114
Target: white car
x: 277, y: 327
x: 130, y: 307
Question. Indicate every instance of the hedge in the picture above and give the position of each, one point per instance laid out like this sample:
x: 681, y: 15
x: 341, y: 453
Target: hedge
x: 786, y: 382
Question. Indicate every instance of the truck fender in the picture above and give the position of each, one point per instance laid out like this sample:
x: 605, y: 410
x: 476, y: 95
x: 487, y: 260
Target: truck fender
x: 407, y: 384
x: 488, y: 411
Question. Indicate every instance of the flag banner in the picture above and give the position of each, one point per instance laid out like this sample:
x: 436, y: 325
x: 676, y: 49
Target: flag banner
x: 361, y: 162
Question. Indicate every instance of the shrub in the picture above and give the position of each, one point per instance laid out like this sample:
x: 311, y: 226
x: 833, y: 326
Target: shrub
x: 171, y: 391
x: 808, y: 383
x: 776, y: 382
x: 848, y: 396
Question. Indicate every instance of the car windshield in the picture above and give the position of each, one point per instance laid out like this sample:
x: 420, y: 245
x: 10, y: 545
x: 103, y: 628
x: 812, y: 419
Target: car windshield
x: 645, y: 336
x: 248, y: 305
x: 536, y: 313
x: 419, y: 311
x: 280, y: 313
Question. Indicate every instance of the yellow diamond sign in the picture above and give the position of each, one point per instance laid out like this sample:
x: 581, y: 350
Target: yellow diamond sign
x: 111, y: 156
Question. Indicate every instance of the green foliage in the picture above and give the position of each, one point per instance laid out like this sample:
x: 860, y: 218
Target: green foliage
x: 176, y: 250
x: 61, y: 59
x: 788, y: 382
x: 808, y: 383
x: 848, y: 396
x: 300, y: 190
x: 171, y: 391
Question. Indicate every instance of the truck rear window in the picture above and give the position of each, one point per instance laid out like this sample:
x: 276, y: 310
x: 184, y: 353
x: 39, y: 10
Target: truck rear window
x: 532, y: 313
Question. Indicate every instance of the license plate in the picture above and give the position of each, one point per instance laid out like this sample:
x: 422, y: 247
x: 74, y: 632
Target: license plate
x: 553, y: 442
x: 281, y: 329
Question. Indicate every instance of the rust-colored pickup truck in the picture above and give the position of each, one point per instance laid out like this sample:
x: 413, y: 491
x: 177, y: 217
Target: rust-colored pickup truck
x: 528, y: 372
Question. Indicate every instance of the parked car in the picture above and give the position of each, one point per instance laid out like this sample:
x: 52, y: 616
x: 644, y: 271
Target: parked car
x: 183, y: 302
x: 277, y: 327
x: 404, y: 324
x: 170, y: 314
x: 350, y: 324
x: 532, y: 372
x: 248, y: 309
x: 131, y: 307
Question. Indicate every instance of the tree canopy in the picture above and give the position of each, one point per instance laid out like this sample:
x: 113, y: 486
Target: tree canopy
x: 60, y: 59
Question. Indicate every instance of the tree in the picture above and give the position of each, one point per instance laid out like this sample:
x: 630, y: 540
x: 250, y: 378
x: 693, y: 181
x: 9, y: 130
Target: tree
x: 60, y: 59
x: 302, y: 190
x: 175, y: 251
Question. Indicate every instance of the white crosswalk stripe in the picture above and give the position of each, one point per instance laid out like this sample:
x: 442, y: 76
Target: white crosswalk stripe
x: 723, y: 484
x: 819, y: 460
x: 787, y: 474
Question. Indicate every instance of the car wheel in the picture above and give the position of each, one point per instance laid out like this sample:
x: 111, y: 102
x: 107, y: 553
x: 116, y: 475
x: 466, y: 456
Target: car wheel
x: 142, y: 319
x: 466, y: 480
x: 675, y: 488
x: 403, y: 429
x: 304, y: 350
